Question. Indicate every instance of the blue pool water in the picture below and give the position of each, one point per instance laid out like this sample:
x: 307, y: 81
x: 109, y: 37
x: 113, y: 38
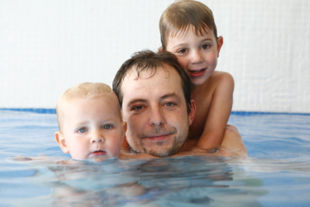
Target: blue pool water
x: 277, y: 172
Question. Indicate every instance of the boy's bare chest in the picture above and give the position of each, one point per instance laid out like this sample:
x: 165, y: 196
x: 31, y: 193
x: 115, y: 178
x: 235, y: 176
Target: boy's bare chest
x: 203, y: 102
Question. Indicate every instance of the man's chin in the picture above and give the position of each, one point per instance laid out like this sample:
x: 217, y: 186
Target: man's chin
x: 160, y: 153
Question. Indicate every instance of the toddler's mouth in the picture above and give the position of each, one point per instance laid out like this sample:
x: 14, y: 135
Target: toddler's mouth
x: 99, y: 153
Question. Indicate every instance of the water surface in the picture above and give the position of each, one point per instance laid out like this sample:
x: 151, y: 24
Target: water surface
x: 277, y: 172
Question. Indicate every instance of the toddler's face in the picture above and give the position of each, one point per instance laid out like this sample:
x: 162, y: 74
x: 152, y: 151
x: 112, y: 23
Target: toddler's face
x: 92, y: 128
x: 197, y: 54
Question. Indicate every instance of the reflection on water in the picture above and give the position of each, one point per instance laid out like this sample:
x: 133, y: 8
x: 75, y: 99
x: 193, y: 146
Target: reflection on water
x: 275, y: 174
x: 191, y: 181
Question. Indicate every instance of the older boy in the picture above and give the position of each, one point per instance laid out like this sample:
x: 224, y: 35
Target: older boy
x: 188, y: 30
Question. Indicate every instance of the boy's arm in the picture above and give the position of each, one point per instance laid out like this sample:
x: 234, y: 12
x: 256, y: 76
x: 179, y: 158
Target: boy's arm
x: 219, y: 112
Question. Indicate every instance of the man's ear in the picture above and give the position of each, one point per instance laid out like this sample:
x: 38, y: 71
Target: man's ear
x: 124, y: 131
x: 125, y: 145
x: 61, y: 142
x: 192, y: 113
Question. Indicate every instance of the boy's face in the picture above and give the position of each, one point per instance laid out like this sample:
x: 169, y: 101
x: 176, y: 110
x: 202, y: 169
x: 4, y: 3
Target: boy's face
x: 92, y: 128
x: 155, y: 110
x: 196, y: 54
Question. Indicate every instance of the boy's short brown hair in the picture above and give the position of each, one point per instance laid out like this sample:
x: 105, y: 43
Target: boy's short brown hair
x: 182, y: 14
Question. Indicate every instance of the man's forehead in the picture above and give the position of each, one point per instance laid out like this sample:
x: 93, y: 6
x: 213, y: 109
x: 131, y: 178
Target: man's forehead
x: 160, y: 82
x: 163, y: 73
x: 147, y: 72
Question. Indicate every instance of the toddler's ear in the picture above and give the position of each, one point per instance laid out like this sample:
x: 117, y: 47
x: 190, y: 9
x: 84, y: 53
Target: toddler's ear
x: 61, y: 142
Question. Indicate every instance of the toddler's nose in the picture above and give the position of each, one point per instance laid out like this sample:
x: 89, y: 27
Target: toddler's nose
x: 96, y: 140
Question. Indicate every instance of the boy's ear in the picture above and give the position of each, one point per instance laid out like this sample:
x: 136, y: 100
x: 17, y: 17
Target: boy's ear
x: 192, y: 113
x: 61, y: 142
x: 220, y: 42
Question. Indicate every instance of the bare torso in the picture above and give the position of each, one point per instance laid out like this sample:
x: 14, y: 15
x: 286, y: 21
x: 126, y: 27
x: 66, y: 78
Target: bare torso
x: 203, y: 98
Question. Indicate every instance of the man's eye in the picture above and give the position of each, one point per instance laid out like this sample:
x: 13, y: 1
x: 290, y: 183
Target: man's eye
x: 82, y: 130
x: 137, y: 108
x: 170, y: 105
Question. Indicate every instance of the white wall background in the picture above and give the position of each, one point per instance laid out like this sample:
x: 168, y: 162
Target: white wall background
x: 47, y: 46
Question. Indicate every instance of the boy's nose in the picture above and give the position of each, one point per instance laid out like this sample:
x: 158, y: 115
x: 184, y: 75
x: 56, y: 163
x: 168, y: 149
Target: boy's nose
x: 196, y: 56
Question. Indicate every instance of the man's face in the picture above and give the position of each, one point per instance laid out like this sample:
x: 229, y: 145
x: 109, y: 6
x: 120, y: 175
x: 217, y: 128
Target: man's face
x: 155, y: 110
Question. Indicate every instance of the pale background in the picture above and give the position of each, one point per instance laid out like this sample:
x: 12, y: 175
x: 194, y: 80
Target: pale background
x: 47, y: 46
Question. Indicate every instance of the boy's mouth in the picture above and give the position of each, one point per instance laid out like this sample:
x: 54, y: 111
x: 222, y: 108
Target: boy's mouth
x: 197, y: 73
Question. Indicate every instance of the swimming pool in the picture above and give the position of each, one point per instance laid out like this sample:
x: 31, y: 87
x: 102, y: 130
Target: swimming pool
x: 277, y: 172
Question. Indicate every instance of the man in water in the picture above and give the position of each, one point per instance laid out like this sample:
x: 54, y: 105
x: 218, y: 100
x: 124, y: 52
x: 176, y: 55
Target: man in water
x: 154, y: 94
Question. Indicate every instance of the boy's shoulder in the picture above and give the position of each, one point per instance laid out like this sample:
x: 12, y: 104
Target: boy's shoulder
x: 217, y: 79
x: 223, y: 83
x: 221, y: 79
x: 221, y: 76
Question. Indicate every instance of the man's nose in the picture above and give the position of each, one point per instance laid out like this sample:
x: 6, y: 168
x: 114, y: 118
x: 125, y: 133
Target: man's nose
x: 96, y: 137
x: 156, y: 116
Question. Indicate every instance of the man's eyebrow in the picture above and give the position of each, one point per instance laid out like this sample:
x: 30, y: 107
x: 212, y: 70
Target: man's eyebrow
x: 169, y: 95
x: 135, y: 101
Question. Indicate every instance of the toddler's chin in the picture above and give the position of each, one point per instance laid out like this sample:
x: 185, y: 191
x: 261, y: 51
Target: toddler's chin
x: 99, y: 158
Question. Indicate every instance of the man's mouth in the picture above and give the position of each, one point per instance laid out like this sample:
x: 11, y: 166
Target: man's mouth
x: 157, y: 137
x: 197, y: 73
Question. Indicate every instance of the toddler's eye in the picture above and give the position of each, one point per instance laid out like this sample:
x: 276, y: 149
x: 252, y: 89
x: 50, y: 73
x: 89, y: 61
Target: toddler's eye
x: 108, y: 126
x: 81, y: 130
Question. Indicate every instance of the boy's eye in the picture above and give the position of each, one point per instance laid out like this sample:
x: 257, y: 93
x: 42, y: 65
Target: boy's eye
x: 81, y: 130
x: 206, y: 46
x: 181, y: 51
